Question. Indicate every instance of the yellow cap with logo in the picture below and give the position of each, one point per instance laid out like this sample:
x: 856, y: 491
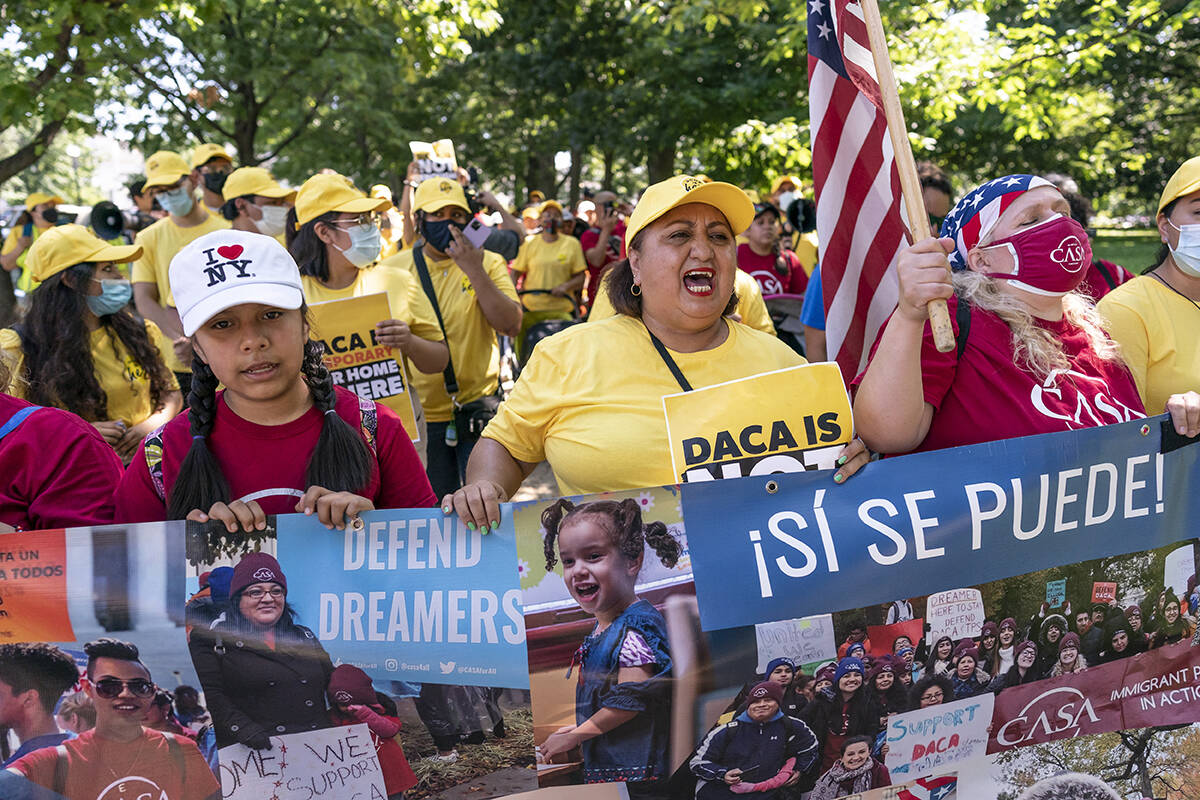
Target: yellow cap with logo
x: 207, y: 152
x: 330, y: 191
x: 665, y: 195
x: 549, y: 204
x: 436, y: 193
x: 165, y: 168
x: 254, y: 181
x: 65, y: 246
x: 37, y: 198
x: 1185, y: 181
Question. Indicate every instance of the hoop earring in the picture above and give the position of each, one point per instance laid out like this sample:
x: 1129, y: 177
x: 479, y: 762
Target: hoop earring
x: 635, y: 290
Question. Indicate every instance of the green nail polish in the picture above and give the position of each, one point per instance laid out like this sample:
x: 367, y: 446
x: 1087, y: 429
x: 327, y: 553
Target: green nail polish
x: 495, y: 525
x: 838, y: 478
x: 484, y: 529
x: 470, y: 526
x: 841, y: 461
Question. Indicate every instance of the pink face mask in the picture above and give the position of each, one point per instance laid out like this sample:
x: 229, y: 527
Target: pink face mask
x: 1051, y: 258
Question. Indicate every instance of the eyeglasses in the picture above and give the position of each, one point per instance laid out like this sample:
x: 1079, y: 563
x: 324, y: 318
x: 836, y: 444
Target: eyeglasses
x: 276, y: 592
x: 931, y: 696
x: 365, y: 218
x: 111, y: 688
x: 155, y: 191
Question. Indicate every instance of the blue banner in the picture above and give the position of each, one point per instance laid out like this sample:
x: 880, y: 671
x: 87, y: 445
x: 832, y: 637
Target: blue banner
x: 790, y: 545
x: 412, y: 595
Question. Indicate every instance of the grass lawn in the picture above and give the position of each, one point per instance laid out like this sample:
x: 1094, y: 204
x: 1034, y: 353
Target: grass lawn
x: 1133, y: 249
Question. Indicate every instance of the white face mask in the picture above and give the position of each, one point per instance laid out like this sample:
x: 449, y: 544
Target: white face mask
x: 786, y: 199
x: 365, y: 244
x: 177, y: 201
x: 1187, y: 252
x: 274, y: 219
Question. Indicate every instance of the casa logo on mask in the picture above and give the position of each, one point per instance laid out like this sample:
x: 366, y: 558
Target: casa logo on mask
x: 1069, y: 254
x: 264, y: 574
x: 691, y: 183
x: 226, y: 256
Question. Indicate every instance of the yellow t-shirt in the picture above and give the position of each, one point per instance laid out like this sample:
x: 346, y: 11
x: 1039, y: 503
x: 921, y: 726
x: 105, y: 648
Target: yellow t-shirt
x: 590, y: 401
x: 472, y: 340
x: 160, y: 242
x: 25, y: 281
x: 546, y: 265
x: 750, y: 306
x: 806, y: 246
x: 120, y: 376
x: 1159, y: 334
x: 406, y: 301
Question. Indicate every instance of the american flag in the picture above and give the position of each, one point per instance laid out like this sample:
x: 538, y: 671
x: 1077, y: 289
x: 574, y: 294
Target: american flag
x: 860, y: 221
x: 944, y: 788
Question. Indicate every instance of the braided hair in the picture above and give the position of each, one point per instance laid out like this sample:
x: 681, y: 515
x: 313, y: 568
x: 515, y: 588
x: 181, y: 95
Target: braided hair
x: 340, y: 462
x: 623, y: 522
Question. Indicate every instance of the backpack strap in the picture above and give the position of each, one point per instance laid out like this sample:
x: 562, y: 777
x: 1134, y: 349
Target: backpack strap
x: 154, y: 458
x: 60, y: 770
x: 176, y: 756
x: 1106, y: 273
x: 16, y: 419
x: 368, y: 422
x: 962, y: 315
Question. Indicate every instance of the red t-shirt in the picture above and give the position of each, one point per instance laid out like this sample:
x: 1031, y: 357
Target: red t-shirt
x: 613, y: 253
x: 101, y: 769
x: 58, y: 472
x: 1095, y: 286
x: 986, y: 397
x: 267, y: 462
x: 763, y: 270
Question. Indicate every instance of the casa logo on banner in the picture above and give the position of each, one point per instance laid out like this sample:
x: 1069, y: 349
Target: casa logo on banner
x: 790, y: 420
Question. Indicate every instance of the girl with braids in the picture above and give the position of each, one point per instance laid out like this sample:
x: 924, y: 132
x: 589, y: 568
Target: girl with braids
x: 80, y: 349
x: 622, y: 699
x: 280, y: 430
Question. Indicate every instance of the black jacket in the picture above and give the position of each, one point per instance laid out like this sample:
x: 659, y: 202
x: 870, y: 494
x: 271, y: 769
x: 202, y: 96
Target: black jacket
x: 253, y: 691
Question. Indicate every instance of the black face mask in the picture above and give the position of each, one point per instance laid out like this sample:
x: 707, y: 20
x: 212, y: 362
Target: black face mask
x: 50, y: 215
x: 215, y: 181
x: 437, y: 233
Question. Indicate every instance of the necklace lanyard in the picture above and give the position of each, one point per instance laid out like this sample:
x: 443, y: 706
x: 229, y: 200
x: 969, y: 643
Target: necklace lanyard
x: 1163, y: 281
x: 670, y: 362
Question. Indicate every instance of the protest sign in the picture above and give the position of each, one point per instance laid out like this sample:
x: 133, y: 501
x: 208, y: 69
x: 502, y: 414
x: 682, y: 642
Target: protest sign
x: 957, y: 613
x: 338, y: 762
x: 802, y: 640
x: 411, y: 595
x: 1104, y: 592
x: 1179, y: 566
x: 933, y: 521
x: 355, y: 359
x: 883, y: 637
x: 1056, y: 593
x: 33, y: 586
x: 790, y: 420
x: 434, y: 160
x: 930, y: 740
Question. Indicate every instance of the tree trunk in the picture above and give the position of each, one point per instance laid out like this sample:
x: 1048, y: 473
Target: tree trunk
x: 660, y: 163
x: 609, y: 157
x: 31, y: 151
x: 539, y: 172
x: 573, y: 177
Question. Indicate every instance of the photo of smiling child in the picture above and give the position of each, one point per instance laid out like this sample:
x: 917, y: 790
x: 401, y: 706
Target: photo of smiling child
x: 624, y: 666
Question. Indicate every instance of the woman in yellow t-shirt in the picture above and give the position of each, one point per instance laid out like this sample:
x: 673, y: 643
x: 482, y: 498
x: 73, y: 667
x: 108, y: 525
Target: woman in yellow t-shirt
x: 39, y: 216
x: 590, y: 399
x: 336, y: 246
x: 1155, y: 318
x: 80, y: 349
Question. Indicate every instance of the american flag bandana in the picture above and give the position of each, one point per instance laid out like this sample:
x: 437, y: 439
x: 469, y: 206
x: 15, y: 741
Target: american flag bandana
x: 976, y: 214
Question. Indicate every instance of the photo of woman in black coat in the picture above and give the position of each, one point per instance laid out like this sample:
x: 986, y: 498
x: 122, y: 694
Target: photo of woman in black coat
x: 263, y: 675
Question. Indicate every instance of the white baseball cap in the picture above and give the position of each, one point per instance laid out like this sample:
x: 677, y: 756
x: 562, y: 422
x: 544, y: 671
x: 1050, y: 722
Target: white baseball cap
x: 226, y: 268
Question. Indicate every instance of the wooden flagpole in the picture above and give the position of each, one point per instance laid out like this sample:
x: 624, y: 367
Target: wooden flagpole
x: 906, y: 165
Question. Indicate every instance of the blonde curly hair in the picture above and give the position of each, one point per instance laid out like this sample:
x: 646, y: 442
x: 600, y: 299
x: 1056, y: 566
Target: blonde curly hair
x: 1035, y: 348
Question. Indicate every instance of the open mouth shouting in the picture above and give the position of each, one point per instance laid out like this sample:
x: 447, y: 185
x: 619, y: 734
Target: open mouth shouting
x: 700, y: 281
x: 585, y: 592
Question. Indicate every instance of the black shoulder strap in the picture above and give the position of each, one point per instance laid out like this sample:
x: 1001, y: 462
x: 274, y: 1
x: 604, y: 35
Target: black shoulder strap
x: 670, y: 362
x: 962, y: 315
x: 427, y: 285
x: 1108, y: 276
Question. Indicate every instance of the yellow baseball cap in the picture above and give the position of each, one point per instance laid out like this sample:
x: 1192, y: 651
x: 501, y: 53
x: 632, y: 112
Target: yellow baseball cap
x: 782, y: 179
x: 257, y: 181
x: 530, y: 212
x: 549, y: 204
x: 65, y: 246
x: 437, y: 193
x: 165, y: 168
x: 207, y: 152
x: 37, y: 198
x: 665, y: 195
x: 1185, y: 181
x: 327, y: 192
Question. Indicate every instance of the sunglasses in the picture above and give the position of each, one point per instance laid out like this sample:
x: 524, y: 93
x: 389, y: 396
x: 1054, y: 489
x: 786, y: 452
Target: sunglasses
x: 111, y: 688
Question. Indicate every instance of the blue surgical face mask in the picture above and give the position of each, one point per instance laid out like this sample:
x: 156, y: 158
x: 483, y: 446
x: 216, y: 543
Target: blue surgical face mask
x: 437, y: 233
x: 365, y: 243
x: 115, y: 294
x: 177, y: 201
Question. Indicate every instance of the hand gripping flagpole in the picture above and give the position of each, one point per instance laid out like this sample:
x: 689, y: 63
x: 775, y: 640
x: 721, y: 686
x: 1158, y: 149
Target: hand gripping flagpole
x: 906, y: 166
